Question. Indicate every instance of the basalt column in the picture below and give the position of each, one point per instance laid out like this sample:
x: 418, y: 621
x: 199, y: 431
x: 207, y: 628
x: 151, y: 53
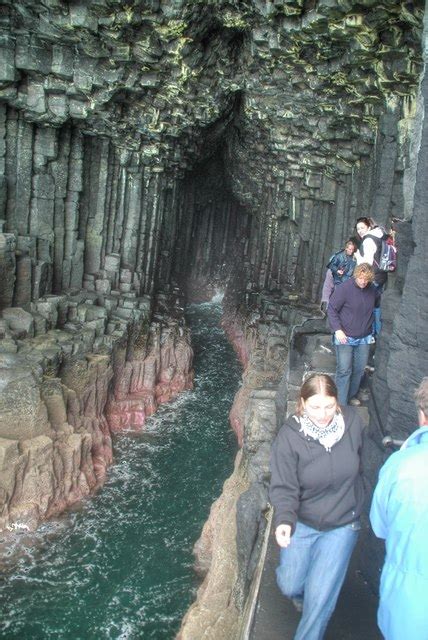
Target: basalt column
x: 158, y: 147
x: 81, y: 352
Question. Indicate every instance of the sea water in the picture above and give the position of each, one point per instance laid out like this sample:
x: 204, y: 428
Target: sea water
x: 120, y: 565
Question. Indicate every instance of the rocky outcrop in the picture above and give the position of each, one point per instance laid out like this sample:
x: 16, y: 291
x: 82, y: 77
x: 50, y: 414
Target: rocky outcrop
x: 260, y: 335
x: 157, y: 370
x: 73, y: 370
x: 214, y: 614
x: 77, y: 306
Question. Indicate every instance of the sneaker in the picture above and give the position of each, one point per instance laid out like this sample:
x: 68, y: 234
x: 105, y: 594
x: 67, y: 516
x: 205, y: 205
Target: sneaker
x: 354, y: 402
x: 369, y: 369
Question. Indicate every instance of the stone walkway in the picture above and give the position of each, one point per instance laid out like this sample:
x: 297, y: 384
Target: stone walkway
x: 277, y: 619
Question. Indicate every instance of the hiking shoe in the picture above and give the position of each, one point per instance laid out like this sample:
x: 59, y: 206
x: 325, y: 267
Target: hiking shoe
x: 354, y: 402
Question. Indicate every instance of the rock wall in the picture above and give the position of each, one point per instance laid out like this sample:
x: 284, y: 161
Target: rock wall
x: 402, y: 350
x: 85, y: 347
x: 158, y: 147
x: 77, y: 213
x: 73, y: 370
x: 217, y: 234
x: 308, y: 107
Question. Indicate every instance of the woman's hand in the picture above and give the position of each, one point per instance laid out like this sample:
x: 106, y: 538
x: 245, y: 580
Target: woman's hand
x: 283, y: 534
x: 341, y: 336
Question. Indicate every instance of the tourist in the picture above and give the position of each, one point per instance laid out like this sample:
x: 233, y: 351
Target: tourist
x: 370, y: 248
x: 317, y: 493
x: 399, y: 514
x: 327, y: 290
x: 342, y: 263
x: 339, y: 269
x: 350, y: 315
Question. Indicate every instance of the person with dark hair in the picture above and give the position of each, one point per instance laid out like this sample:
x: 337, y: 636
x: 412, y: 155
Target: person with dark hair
x: 317, y: 493
x: 351, y: 315
x: 370, y: 248
x: 399, y: 515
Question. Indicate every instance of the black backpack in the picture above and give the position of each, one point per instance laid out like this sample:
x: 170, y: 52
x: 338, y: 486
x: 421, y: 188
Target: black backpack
x: 386, y: 254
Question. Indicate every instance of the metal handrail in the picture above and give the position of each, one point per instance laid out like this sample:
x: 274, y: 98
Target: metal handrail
x: 389, y: 441
x: 251, y: 602
x: 379, y: 421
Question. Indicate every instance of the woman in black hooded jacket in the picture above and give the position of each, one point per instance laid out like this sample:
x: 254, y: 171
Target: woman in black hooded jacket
x: 317, y: 494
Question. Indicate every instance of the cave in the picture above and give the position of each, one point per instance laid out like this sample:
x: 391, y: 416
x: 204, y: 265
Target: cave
x: 159, y: 152
x: 217, y: 231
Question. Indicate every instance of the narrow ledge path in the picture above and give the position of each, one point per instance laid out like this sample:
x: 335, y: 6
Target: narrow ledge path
x: 277, y: 619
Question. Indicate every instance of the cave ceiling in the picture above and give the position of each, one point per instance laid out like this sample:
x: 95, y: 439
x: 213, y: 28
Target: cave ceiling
x: 286, y: 87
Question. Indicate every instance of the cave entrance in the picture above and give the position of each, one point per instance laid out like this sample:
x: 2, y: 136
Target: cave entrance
x: 218, y: 230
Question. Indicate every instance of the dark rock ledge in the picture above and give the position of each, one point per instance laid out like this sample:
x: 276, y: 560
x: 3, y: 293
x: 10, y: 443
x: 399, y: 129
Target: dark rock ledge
x: 74, y: 369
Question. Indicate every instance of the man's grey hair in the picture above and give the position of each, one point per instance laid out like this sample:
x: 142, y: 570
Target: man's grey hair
x: 421, y: 396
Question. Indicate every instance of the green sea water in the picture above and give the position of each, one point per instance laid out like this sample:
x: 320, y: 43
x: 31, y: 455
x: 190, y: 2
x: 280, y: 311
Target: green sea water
x: 120, y: 566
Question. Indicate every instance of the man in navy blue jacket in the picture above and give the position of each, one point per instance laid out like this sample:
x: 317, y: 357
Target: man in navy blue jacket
x: 350, y: 314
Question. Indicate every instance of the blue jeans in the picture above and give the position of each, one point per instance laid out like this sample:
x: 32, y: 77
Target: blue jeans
x: 377, y: 321
x: 350, y: 365
x: 313, y: 568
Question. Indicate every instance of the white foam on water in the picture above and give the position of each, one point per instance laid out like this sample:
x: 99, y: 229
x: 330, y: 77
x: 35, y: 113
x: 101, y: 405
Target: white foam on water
x: 126, y: 631
x: 103, y: 554
x: 218, y: 296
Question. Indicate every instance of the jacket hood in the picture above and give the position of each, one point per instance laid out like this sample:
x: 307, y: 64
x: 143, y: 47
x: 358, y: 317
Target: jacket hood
x: 377, y: 232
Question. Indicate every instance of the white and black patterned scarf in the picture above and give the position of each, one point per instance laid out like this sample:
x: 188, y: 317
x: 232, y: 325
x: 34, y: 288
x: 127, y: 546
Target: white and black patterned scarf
x: 327, y: 436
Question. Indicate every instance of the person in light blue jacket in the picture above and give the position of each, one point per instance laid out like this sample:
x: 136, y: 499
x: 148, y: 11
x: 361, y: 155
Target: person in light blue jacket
x: 399, y: 514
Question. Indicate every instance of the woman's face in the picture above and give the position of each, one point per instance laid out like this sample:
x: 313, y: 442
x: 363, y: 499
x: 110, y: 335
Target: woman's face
x: 362, y: 229
x: 362, y: 281
x: 320, y: 409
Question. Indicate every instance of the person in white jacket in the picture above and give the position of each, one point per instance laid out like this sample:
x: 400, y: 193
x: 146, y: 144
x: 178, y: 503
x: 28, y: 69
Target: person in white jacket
x: 370, y: 248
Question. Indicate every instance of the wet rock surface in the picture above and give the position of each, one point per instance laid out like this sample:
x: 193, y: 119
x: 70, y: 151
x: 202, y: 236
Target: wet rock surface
x: 158, y: 147
x: 69, y: 380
